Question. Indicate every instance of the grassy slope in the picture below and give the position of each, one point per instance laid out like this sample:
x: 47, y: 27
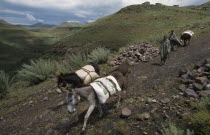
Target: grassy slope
x: 135, y: 23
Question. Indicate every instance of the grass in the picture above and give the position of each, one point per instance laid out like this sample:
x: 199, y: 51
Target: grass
x: 201, y: 118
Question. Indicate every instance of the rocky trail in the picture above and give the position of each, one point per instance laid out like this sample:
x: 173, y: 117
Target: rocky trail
x: 151, y: 95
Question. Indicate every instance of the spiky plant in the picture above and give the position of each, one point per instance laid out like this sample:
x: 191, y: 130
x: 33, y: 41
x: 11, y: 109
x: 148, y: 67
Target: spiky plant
x: 77, y: 60
x: 5, y: 83
x: 63, y: 67
x: 37, y: 71
x: 99, y: 55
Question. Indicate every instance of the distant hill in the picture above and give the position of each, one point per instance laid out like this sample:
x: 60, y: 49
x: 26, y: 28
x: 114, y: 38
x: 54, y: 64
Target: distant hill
x: 20, y: 44
x: 69, y: 23
x: 40, y: 25
x: 3, y: 22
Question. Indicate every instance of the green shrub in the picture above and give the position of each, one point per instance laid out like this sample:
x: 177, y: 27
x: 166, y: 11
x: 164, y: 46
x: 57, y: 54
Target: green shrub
x: 99, y: 55
x: 5, y: 82
x: 37, y: 71
x: 201, y: 119
x: 77, y: 60
x: 171, y: 129
x: 63, y: 67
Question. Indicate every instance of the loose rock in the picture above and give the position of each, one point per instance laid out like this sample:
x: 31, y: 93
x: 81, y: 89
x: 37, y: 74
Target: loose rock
x: 190, y: 92
x: 125, y: 112
x: 144, y: 116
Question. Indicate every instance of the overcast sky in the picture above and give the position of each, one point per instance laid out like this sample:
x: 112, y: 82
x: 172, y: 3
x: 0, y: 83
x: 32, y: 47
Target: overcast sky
x: 58, y: 11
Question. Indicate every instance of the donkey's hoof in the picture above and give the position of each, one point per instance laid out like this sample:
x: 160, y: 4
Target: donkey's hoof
x: 83, y: 129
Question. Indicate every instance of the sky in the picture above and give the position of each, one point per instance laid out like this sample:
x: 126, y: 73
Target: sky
x: 57, y: 11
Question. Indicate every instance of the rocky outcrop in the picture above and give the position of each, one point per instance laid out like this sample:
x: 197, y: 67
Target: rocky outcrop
x: 196, y: 82
x: 136, y: 53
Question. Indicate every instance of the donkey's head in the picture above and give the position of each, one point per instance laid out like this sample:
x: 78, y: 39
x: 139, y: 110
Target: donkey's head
x: 61, y: 81
x: 72, y: 101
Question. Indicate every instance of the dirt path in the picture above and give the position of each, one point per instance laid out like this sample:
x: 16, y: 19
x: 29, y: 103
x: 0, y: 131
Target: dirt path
x: 46, y: 117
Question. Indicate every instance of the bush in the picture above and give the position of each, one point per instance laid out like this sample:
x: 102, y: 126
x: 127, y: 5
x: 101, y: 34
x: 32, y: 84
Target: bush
x: 171, y: 129
x: 5, y: 83
x: 63, y: 67
x: 37, y: 71
x: 77, y: 60
x: 99, y: 55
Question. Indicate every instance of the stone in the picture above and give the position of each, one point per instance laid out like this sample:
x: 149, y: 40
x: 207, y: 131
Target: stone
x: 197, y: 87
x: 182, y: 72
x: 30, y: 103
x: 112, y: 63
x: 45, y: 98
x: 164, y: 101
x: 191, y: 75
x: 144, y: 116
x: 201, y: 80
x: 207, y: 61
x: 186, y: 81
x: 191, y: 93
x: 58, y: 91
x: 145, y: 133
x: 184, y: 76
x: 154, y: 101
x: 204, y: 93
x: 207, y: 87
x: 125, y: 112
x: 182, y: 87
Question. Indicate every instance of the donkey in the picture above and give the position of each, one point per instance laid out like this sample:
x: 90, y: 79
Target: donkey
x: 89, y: 94
x: 174, y: 40
x: 165, y: 49
x: 74, y: 79
x: 186, y: 36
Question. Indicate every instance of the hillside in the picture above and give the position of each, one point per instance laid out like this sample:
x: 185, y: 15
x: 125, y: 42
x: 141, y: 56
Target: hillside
x: 19, y: 44
x: 69, y: 23
x: 132, y: 24
x: 136, y: 23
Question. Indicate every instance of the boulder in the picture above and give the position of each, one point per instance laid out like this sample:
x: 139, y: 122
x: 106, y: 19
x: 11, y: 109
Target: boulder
x: 207, y: 87
x: 191, y: 93
x: 197, y: 87
x: 182, y: 72
x: 204, y: 93
x: 201, y: 80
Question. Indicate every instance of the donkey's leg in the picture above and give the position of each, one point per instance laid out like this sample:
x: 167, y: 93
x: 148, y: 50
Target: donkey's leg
x: 119, y: 100
x: 100, y: 110
x: 90, y: 110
